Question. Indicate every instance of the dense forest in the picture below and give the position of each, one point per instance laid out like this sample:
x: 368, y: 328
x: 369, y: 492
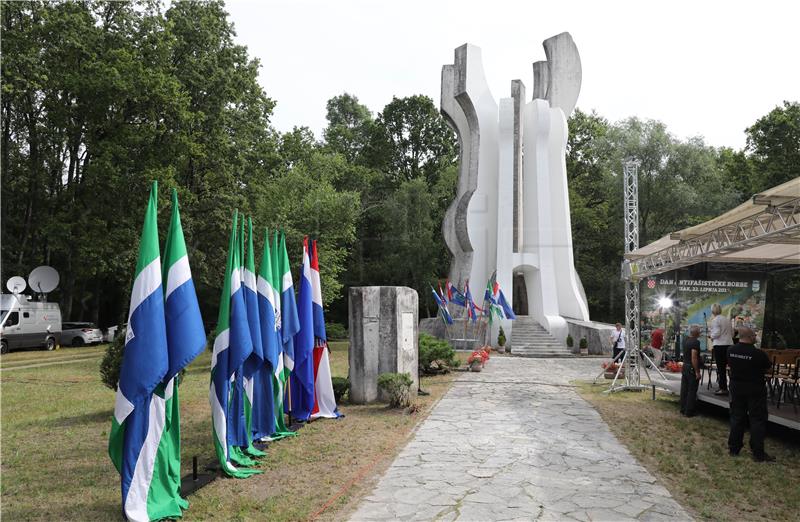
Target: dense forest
x: 101, y: 98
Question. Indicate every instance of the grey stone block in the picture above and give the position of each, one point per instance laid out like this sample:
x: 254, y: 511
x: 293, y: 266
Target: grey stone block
x: 384, y: 336
x: 597, y: 336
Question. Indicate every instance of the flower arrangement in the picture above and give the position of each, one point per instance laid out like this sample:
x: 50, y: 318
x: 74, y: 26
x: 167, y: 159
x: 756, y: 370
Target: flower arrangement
x: 610, y: 366
x: 478, y: 358
x: 674, y: 367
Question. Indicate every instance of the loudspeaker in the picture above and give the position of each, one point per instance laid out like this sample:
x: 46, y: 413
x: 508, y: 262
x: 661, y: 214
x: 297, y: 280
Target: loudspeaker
x: 699, y: 271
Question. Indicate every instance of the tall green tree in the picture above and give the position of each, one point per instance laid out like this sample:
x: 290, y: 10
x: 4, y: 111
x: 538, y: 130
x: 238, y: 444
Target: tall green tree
x: 350, y: 127
x: 773, y: 144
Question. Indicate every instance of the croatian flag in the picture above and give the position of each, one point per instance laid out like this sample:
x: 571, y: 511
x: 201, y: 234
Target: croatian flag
x: 471, y: 307
x: 302, y: 378
x: 232, y: 345
x: 186, y: 339
x: 139, y: 414
x: 324, y: 399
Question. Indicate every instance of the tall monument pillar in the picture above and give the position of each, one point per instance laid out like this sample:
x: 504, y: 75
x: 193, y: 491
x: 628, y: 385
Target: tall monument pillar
x: 511, y: 210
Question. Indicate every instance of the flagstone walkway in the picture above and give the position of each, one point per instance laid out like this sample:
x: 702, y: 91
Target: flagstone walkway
x: 515, y: 443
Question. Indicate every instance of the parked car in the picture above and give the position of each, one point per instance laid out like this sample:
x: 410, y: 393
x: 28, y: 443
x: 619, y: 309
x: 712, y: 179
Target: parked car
x: 25, y: 323
x: 111, y: 332
x: 81, y: 334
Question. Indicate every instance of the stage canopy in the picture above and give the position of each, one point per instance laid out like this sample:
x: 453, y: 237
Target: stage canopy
x: 761, y: 234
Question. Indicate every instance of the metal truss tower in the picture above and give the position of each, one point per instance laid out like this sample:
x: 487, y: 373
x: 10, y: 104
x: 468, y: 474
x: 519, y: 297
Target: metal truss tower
x: 633, y: 359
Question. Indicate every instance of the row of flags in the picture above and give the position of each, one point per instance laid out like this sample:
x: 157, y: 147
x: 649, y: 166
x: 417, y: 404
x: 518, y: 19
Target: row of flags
x: 270, y: 357
x: 494, y: 301
x: 270, y: 350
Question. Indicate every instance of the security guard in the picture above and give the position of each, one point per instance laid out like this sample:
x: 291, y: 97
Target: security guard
x: 748, y: 395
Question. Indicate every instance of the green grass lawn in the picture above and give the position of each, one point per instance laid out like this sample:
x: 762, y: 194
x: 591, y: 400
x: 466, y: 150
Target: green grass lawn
x: 55, y: 424
x: 690, y: 457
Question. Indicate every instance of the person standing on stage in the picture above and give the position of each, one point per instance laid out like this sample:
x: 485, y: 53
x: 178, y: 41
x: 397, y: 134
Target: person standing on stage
x: 656, y: 343
x: 618, y: 340
x: 748, y: 395
x: 690, y: 377
x: 721, y: 339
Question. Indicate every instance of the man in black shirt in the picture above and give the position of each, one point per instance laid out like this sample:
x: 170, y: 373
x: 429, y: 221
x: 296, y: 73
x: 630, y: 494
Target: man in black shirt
x: 748, y: 395
x: 690, y: 377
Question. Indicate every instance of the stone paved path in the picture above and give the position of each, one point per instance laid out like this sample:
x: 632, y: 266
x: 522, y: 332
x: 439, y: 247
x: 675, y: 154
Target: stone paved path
x: 514, y: 443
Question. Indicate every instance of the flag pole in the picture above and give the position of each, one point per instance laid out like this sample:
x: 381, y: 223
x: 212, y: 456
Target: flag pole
x: 289, y: 399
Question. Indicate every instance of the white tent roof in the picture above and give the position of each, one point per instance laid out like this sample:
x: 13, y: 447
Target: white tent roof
x: 764, y: 230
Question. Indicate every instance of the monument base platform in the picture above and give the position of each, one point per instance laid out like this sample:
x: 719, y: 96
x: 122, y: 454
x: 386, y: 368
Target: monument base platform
x: 598, y: 336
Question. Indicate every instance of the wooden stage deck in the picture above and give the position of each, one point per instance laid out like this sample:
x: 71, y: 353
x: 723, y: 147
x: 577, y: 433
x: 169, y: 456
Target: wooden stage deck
x: 785, y: 415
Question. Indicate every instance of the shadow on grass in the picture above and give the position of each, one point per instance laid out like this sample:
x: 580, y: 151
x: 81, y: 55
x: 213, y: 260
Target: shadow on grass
x: 80, y: 420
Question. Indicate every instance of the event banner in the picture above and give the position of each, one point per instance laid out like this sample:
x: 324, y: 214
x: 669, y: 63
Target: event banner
x: 741, y: 295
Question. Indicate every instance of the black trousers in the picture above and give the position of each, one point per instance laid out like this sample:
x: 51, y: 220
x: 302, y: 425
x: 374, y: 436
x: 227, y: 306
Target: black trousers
x: 721, y: 357
x: 689, y: 385
x: 748, y: 400
x: 616, y: 351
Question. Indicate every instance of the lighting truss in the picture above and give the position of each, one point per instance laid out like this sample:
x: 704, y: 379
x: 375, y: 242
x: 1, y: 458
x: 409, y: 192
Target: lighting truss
x: 775, y: 221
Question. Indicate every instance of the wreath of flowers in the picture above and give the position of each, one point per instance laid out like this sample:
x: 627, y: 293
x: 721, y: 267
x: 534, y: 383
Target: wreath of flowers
x: 481, y: 355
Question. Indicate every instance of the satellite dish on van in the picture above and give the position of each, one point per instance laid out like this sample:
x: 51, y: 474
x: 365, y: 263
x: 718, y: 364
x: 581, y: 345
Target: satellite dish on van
x: 16, y: 285
x: 43, y: 279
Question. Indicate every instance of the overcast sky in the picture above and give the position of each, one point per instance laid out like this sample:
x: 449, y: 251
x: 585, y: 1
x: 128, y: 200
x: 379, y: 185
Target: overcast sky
x: 705, y: 68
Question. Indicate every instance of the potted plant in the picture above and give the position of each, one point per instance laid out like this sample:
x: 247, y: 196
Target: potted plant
x: 584, y: 346
x: 501, y: 340
x: 570, y: 341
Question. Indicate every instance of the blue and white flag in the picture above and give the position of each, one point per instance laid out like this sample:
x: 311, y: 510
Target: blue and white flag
x: 446, y: 317
x: 509, y: 313
x: 302, y: 378
x: 139, y: 414
x: 186, y: 339
x: 232, y: 345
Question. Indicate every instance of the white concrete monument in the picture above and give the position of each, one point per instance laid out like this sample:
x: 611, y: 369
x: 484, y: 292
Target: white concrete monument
x: 511, y: 211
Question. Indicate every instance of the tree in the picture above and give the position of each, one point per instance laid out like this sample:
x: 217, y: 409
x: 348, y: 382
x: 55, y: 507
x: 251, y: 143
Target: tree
x: 413, y: 140
x: 350, y: 127
x: 773, y: 143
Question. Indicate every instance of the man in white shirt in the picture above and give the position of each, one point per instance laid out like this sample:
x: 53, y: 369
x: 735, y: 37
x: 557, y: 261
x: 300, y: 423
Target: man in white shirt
x: 618, y: 341
x: 721, y: 335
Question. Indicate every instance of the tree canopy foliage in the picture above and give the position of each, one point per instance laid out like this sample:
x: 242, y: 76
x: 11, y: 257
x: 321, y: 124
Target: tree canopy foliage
x: 101, y: 98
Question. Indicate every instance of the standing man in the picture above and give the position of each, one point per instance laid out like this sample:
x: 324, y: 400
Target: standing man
x: 618, y: 340
x: 721, y: 340
x: 656, y: 343
x: 690, y: 377
x: 748, y: 395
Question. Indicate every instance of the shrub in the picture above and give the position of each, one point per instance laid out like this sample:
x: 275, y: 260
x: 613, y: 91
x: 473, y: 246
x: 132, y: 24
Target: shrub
x: 570, y: 341
x: 436, y: 355
x: 341, y: 385
x: 501, y: 337
x: 336, y: 331
x: 397, y: 386
x: 112, y: 361
x: 584, y: 344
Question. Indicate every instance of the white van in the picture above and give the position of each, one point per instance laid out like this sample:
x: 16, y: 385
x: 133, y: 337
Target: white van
x: 28, y: 324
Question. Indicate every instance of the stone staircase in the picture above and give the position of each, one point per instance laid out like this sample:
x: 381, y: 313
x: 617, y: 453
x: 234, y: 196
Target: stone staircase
x: 530, y: 339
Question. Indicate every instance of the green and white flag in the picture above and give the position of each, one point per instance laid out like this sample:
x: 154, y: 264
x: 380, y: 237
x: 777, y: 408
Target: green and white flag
x: 232, y: 344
